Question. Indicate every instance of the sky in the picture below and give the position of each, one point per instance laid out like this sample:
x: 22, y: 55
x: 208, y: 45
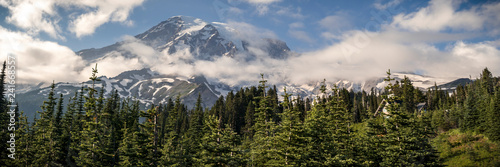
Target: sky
x: 335, y: 39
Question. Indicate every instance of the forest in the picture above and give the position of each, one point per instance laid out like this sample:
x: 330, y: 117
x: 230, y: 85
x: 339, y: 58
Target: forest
x: 253, y: 127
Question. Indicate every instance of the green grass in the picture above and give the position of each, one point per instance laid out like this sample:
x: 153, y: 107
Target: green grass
x: 466, y: 149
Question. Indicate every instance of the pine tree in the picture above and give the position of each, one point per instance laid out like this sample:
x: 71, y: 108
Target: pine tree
x: 130, y: 146
x: 406, y: 137
x: 24, y: 145
x: 43, y: 133
x: 339, y: 122
x: 471, y: 113
x: 172, y: 150
x: 4, y: 117
x: 196, y: 132
x: 57, y: 133
x: 261, y: 148
x: 91, y: 152
x: 112, y: 134
x: 75, y: 117
x: 218, y: 144
x: 291, y: 135
x: 493, y: 131
x: 148, y: 139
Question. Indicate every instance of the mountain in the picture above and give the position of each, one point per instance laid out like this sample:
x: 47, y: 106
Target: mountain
x: 207, y: 42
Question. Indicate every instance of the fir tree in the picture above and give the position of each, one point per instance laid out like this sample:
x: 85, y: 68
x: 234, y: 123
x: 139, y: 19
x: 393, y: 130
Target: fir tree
x: 43, y: 133
x: 218, y: 144
x: 262, y: 149
x: 90, y: 149
x: 493, y: 131
x: 291, y: 136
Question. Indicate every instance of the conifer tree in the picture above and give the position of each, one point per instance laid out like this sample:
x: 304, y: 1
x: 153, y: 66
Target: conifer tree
x: 43, y: 133
x: 91, y: 152
x: 218, y: 144
x: 130, y: 147
x: 196, y: 132
x: 24, y: 145
x: 471, y: 115
x: 493, y: 131
x: 264, y: 127
x: 148, y: 141
x: 4, y: 117
x: 172, y: 147
x: 291, y: 136
x: 57, y: 134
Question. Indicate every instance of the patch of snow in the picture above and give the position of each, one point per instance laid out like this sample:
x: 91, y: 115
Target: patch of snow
x: 138, y: 77
x: 159, y: 80
x: 192, y: 90
x: 228, y: 33
x: 210, y: 88
x: 125, y: 82
x: 191, y: 24
x: 183, y: 78
x: 117, y: 88
x: 109, y: 84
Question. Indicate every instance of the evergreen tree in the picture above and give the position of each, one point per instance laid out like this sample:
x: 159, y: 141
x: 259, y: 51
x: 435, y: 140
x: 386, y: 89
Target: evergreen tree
x: 493, y: 131
x: 196, y: 132
x: 264, y: 127
x: 218, y: 144
x: 24, y: 145
x: 471, y: 113
x: 57, y: 131
x: 91, y: 152
x: 291, y: 135
x: 43, y: 133
x: 149, y: 142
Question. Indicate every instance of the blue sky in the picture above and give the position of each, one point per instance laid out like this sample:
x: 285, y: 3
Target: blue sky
x: 437, y: 37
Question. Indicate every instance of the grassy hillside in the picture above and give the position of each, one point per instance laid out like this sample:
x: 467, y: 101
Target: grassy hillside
x: 466, y: 149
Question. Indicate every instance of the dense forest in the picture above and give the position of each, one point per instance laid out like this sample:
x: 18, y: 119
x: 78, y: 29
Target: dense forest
x: 253, y: 127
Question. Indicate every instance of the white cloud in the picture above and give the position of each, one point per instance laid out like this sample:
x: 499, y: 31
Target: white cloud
x: 445, y: 14
x: 42, y: 16
x: 363, y: 55
x: 391, y: 3
x: 334, y: 25
x: 300, y: 35
x: 103, y: 12
x: 39, y: 61
x: 262, y: 6
x: 34, y: 16
x: 335, y: 22
x: 296, y: 25
x: 290, y: 12
x: 262, y: 1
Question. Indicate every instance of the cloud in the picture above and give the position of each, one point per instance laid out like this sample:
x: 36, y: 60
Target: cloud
x: 296, y: 25
x: 358, y: 61
x: 381, y: 6
x: 290, y: 12
x: 443, y: 15
x: 262, y: 1
x: 300, y: 35
x: 39, y: 61
x: 335, y: 22
x: 334, y: 25
x: 43, y: 16
x: 34, y: 16
x: 262, y: 6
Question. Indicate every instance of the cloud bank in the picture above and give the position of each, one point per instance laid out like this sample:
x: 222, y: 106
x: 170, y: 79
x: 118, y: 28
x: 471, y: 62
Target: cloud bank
x: 43, y: 16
